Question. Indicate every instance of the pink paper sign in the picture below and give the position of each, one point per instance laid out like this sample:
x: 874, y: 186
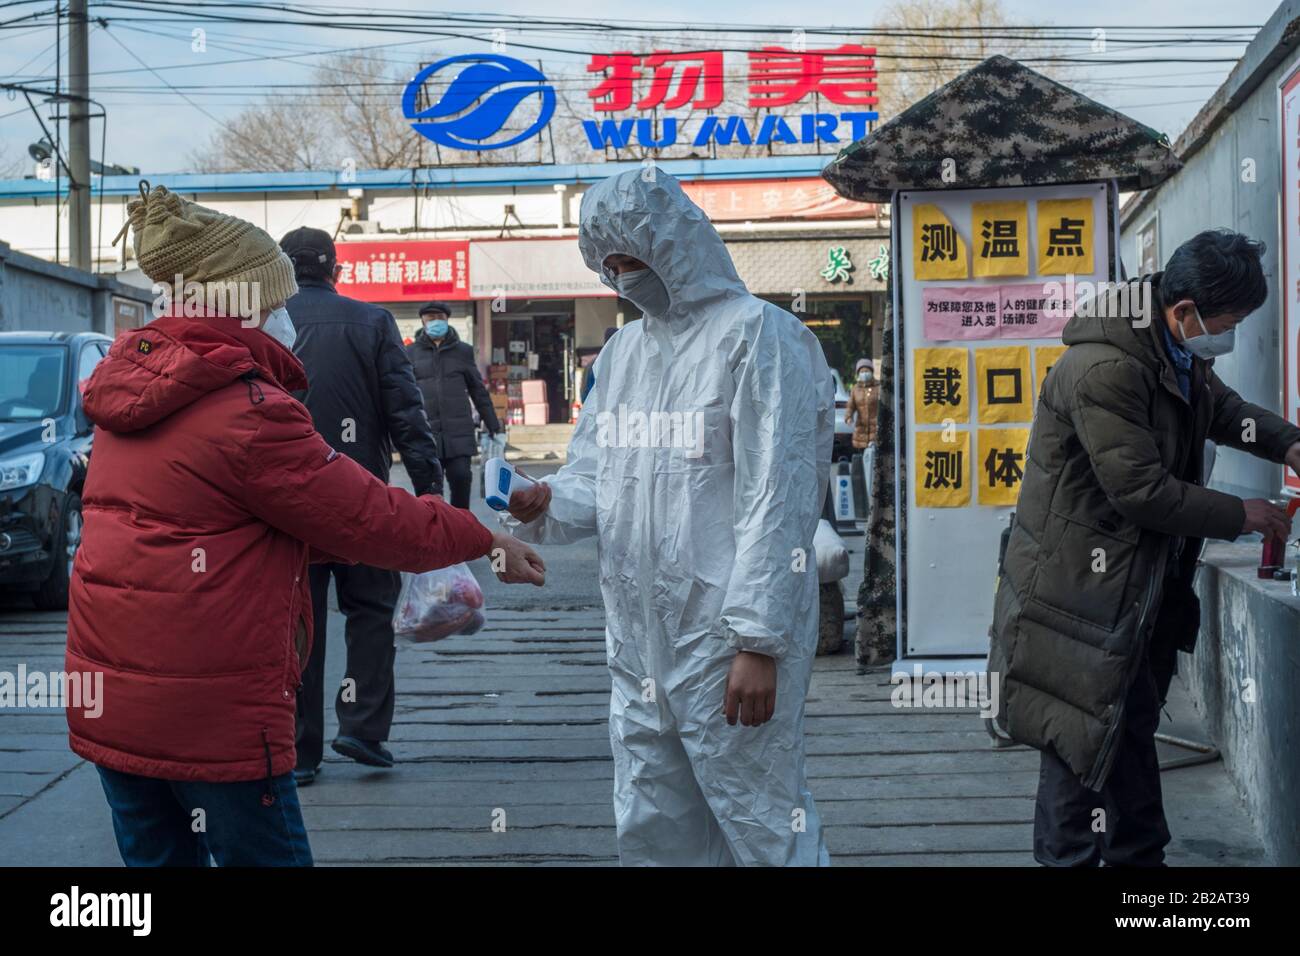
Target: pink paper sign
x: 1034, y: 310
x: 960, y: 312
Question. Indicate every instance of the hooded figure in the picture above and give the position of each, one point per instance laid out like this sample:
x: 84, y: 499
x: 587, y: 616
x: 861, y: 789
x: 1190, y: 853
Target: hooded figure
x: 699, y: 462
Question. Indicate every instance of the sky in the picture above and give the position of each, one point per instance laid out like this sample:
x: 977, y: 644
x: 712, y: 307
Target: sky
x: 156, y: 127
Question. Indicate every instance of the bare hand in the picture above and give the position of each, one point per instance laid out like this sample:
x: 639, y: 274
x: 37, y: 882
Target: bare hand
x: 1293, y: 458
x: 751, y: 689
x: 515, y: 562
x: 1265, y: 517
x: 529, y: 504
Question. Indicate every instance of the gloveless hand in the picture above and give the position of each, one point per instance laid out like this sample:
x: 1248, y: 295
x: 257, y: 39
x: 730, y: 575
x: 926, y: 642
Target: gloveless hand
x: 515, y: 562
x: 529, y: 504
x: 1293, y: 458
x: 750, y: 694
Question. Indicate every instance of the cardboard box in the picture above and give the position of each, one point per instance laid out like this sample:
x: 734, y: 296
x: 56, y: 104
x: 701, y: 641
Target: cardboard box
x: 533, y: 391
x: 537, y: 413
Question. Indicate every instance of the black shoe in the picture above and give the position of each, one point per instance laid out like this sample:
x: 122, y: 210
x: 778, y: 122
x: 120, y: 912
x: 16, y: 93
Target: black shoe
x: 305, y: 776
x: 369, y: 752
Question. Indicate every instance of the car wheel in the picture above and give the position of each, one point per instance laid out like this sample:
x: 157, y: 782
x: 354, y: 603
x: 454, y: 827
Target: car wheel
x: 52, y: 595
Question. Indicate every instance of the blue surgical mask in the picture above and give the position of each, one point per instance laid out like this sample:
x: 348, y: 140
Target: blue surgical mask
x: 437, y: 328
x: 643, y: 289
x: 1207, y: 345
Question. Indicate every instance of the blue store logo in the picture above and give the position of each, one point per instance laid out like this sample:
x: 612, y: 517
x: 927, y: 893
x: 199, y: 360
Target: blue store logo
x: 478, y: 103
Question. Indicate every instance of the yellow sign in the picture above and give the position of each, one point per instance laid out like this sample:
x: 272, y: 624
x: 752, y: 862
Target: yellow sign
x: 1064, y: 236
x: 937, y: 251
x: 1000, y: 467
x: 1045, y: 357
x: 1000, y: 238
x: 941, y: 389
x: 1002, y: 378
x: 942, y: 469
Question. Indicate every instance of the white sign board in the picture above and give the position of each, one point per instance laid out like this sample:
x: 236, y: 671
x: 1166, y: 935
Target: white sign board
x: 986, y: 281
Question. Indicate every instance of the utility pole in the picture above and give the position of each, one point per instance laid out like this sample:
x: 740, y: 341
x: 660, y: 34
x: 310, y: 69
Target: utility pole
x: 79, y: 136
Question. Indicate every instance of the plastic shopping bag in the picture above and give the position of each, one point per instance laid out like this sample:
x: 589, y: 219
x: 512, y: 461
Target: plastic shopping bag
x: 437, y: 604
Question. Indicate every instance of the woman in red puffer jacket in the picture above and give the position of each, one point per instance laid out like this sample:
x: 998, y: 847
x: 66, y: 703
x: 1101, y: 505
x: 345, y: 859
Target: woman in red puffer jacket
x: 207, y: 492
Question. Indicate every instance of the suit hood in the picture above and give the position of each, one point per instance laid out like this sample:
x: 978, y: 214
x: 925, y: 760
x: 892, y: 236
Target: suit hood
x: 644, y: 213
x: 154, y: 371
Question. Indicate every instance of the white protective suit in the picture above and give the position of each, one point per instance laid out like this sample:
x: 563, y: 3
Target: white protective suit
x: 704, y: 535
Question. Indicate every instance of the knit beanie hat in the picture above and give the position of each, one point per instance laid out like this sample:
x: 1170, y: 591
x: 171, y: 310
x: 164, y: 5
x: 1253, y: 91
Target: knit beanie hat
x: 232, y: 260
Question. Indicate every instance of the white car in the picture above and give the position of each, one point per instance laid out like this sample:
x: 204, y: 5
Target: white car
x: 843, y: 444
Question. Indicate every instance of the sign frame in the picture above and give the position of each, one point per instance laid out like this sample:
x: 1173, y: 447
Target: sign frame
x: 954, y: 642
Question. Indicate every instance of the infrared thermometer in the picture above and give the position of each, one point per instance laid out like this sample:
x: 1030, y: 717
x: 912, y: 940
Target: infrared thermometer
x: 502, y: 481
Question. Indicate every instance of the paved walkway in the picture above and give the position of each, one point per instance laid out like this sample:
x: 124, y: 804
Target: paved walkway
x: 512, y: 720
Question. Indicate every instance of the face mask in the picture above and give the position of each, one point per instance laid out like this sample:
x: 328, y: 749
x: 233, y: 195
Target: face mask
x: 643, y: 289
x: 1207, y: 346
x: 279, y: 326
x: 864, y: 376
x: 437, y: 328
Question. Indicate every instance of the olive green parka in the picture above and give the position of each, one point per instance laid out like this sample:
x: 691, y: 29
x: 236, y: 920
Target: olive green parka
x: 1111, y: 494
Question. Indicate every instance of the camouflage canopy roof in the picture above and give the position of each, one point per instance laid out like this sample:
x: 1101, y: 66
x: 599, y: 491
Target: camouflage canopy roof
x: 1003, y: 125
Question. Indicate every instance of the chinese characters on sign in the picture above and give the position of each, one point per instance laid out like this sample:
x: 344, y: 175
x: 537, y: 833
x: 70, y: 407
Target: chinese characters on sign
x: 941, y: 469
x: 844, y: 75
x: 1001, y: 464
x: 938, y: 252
x: 1002, y: 241
x: 999, y: 234
x: 1064, y: 236
x: 1022, y: 311
x: 839, y: 267
x: 1003, y: 378
x: 1001, y: 391
x: 940, y: 393
x: 403, y: 271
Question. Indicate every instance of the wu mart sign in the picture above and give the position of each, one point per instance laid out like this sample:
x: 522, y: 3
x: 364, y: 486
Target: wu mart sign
x: 682, y: 98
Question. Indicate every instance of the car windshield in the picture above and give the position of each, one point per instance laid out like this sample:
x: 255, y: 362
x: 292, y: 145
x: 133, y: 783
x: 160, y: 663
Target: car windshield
x: 31, y: 381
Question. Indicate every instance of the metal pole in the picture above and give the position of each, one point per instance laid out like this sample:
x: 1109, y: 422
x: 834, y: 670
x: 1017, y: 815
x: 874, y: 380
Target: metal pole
x: 79, y: 137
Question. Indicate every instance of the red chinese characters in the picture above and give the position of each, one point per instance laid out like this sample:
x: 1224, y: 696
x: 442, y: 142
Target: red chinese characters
x: 844, y: 75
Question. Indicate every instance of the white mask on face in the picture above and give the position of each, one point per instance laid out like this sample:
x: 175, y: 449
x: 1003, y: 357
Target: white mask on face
x: 279, y: 326
x: 1207, y: 346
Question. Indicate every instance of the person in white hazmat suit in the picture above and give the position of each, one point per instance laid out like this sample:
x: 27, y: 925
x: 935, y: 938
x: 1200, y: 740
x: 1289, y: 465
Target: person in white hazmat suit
x: 699, y: 461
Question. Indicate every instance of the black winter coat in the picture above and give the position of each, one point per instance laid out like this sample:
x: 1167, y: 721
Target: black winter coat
x: 361, y: 391
x: 449, y: 380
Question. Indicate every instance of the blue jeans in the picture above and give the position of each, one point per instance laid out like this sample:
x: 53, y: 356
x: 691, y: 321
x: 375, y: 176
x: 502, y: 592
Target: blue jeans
x: 159, y: 823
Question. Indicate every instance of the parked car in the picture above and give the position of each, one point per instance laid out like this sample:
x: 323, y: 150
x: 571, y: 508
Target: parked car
x: 843, y: 444
x: 45, y: 441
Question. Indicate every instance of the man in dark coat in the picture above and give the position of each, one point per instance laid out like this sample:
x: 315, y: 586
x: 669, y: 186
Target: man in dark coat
x: 449, y: 380
x: 1096, y: 597
x: 363, y: 399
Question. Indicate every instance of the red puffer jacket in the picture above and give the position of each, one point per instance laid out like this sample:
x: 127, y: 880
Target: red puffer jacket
x: 207, y: 487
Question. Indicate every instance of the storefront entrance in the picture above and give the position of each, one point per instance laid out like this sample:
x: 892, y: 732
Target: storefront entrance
x: 538, y: 346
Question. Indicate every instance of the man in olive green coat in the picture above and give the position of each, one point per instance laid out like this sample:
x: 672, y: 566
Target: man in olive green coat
x: 1095, y: 597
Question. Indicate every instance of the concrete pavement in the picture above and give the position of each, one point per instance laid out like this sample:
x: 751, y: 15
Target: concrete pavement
x: 504, y: 758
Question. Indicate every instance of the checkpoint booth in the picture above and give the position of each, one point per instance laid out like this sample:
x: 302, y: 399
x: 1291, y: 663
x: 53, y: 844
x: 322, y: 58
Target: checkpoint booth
x: 1004, y: 188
